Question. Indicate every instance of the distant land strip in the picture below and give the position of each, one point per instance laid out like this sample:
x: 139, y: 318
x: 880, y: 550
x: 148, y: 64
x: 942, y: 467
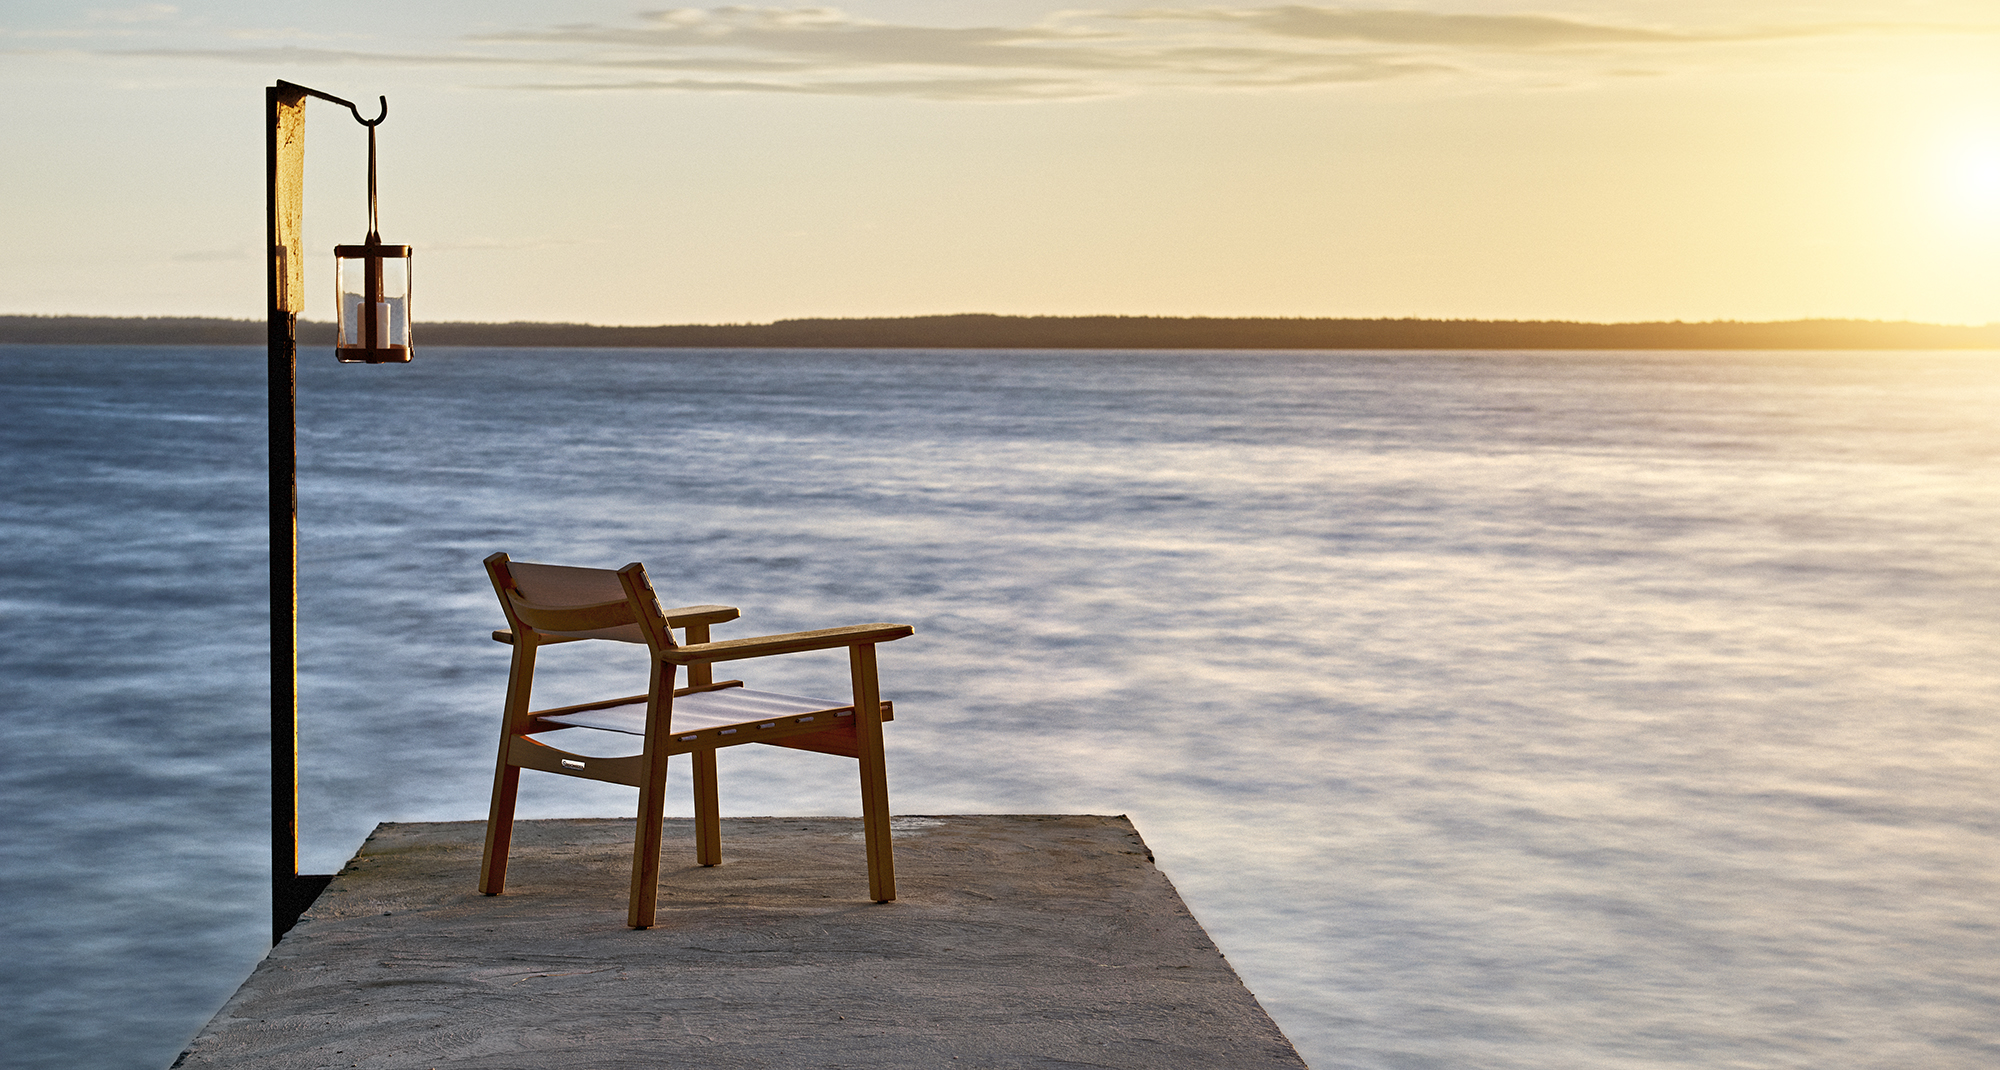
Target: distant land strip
x: 979, y: 331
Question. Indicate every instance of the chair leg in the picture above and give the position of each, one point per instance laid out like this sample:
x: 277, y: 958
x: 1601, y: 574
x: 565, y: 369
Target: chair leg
x: 707, y: 811
x: 499, y: 829
x: 874, y: 773
x: 646, y: 849
x: 506, y: 775
x: 652, y: 804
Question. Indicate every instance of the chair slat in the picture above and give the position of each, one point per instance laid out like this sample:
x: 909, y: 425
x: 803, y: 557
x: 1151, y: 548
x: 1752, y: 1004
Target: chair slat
x: 603, y: 620
x: 735, y: 706
x: 565, y: 585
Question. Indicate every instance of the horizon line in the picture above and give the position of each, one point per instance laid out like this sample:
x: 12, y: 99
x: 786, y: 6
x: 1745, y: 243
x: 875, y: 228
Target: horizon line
x: 1046, y: 316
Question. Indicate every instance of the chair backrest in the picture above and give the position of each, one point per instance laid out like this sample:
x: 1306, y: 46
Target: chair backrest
x: 580, y: 603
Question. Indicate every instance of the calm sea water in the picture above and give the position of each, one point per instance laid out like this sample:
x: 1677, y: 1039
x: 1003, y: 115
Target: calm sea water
x: 1539, y: 711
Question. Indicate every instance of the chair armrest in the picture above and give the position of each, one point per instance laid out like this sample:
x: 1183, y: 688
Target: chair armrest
x: 676, y: 618
x: 686, y: 615
x: 787, y: 643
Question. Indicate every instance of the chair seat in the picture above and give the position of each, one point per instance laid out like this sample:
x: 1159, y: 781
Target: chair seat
x: 738, y: 708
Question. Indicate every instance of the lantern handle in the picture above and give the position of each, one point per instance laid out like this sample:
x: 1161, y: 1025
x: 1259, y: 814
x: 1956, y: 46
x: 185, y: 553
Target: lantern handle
x: 371, y: 124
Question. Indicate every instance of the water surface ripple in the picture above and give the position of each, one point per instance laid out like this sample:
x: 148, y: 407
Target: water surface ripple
x: 1519, y: 711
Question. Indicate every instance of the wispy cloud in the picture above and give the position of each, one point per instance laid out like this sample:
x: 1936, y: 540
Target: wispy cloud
x: 136, y: 13
x: 931, y: 89
x: 1401, y: 27
x: 827, y: 51
x: 1509, y: 33
x: 306, y: 57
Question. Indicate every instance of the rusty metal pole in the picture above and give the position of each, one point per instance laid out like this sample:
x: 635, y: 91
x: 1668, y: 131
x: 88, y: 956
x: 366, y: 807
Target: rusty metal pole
x: 284, y: 170
x: 284, y: 157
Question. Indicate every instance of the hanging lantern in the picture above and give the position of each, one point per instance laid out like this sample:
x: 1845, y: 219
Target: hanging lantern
x: 373, y: 283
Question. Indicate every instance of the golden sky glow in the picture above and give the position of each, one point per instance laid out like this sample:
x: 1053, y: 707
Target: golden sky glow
x: 627, y: 163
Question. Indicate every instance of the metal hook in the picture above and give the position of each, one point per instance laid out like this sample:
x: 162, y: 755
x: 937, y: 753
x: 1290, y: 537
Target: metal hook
x: 348, y: 104
x: 374, y: 238
x: 371, y: 123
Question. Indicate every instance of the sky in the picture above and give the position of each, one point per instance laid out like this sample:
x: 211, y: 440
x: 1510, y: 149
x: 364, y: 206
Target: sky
x: 632, y: 163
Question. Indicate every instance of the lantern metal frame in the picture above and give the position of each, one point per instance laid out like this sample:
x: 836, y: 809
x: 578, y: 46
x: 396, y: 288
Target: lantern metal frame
x: 378, y: 339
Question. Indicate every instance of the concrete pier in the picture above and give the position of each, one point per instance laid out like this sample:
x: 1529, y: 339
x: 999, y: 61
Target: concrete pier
x: 1017, y: 941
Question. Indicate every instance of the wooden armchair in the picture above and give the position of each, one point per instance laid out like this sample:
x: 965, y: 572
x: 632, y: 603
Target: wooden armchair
x: 549, y: 604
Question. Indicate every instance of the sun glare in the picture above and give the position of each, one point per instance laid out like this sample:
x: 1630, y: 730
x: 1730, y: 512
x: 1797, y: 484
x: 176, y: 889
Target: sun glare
x: 1972, y: 179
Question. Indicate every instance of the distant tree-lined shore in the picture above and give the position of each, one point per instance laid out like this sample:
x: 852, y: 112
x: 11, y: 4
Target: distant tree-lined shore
x: 978, y: 331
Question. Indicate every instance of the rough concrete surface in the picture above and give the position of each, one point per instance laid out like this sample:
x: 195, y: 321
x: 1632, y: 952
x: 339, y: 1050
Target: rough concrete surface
x: 1017, y: 941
